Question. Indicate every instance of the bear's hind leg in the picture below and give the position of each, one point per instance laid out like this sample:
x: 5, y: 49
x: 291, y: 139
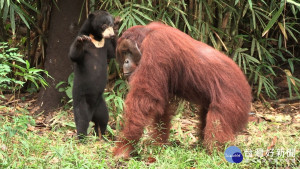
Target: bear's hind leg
x: 82, y: 118
x: 101, y: 118
x: 96, y: 128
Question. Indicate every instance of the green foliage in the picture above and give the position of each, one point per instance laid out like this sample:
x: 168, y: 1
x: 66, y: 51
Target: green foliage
x: 261, y: 37
x: 15, y: 71
x: 115, y: 101
x: 7, y: 57
x: 67, y: 89
x: 136, y: 12
x: 9, y: 8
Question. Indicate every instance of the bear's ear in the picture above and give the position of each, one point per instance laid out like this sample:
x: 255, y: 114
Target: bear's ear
x: 91, y: 16
x: 117, y: 20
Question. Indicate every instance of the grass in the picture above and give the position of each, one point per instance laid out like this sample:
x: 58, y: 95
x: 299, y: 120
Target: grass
x: 28, y: 143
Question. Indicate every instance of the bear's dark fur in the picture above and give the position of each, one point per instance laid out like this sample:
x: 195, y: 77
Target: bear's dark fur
x: 90, y: 72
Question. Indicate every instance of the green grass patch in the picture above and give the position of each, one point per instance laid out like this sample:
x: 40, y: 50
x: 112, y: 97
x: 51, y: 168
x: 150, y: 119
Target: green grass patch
x: 25, y: 145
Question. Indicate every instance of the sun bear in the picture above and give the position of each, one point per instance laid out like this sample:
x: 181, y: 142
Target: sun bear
x: 95, y: 43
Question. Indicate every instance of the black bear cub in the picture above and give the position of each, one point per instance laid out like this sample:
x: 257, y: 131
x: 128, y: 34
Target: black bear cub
x: 96, y: 41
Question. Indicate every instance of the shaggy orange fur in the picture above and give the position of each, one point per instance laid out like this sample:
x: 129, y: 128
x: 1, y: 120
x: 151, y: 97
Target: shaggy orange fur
x: 174, y: 64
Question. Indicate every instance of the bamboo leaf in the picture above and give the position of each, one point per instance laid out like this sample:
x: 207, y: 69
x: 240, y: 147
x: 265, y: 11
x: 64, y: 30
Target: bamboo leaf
x: 22, y: 15
x: 245, y: 10
x: 240, y: 60
x: 282, y: 30
x: 235, y: 56
x: 260, y: 82
x: 280, y: 41
x: 244, y: 64
x: 273, y: 20
x: 288, y: 28
x: 124, y: 23
x: 2, y: 5
x: 178, y: 10
x: 132, y: 21
x: 138, y: 19
x: 170, y: 22
x: 252, y: 46
x: 29, y: 6
x: 5, y: 12
x: 250, y: 5
x: 294, y: 3
x: 142, y: 15
x: 212, y: 38
x: 252, y: 59
x: 289, y: 74
x: 253, y: 19
x: 271, y: 70
x: 256, y: 75
x: 186, y: 22
x: 290, y: 61
x: 258, y: 50
x: 12, y: 20
x: 143, y: 7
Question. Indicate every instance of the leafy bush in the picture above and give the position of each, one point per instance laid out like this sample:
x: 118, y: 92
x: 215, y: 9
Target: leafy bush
x: 6, y: 68
x: 67, y: 89
x: 15, y: 71
x: 115, y: 101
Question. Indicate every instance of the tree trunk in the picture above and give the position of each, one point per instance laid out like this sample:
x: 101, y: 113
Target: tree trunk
x: 62, y: 31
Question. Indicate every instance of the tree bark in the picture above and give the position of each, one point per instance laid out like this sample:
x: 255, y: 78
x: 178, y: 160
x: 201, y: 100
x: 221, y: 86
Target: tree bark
x: 63, y: 29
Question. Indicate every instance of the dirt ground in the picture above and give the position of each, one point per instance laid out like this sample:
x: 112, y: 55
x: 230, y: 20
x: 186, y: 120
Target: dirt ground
x: 283, y: 111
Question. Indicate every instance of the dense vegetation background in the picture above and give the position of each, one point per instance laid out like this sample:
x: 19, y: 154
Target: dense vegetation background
x: 262, y: 37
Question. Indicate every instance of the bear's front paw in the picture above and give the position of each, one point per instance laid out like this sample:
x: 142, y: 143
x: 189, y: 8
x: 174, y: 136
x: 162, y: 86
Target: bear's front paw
x: 81, y: 39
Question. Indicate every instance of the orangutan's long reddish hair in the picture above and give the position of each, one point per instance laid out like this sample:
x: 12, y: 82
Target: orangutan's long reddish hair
x: 174, y: 64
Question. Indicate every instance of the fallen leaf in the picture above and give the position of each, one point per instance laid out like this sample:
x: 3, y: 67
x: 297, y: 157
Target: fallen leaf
x: 54, y: 160
x: 3, y: 147
x: 30, y: 127
x: 272, y: 145
x: 151, y: 160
